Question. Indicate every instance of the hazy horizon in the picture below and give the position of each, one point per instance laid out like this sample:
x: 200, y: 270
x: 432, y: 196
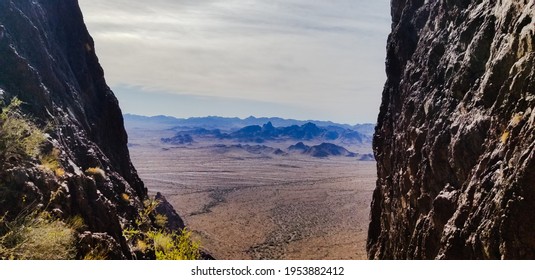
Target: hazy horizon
x: 244, y: 118
x: 295, y: 59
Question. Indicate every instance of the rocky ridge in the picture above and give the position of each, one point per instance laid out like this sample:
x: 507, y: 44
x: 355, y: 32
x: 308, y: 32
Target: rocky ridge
x: 48, y: 61
x: 455, y: 140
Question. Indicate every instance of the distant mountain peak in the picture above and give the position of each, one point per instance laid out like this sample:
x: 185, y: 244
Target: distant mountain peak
x: 268, y: 126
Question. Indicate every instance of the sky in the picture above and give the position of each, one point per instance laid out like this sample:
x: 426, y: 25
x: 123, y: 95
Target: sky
x: 301, y: 59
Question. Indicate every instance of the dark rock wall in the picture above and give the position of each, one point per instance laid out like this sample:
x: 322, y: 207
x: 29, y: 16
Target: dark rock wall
x: 47, y: 59
x: 455, y: 140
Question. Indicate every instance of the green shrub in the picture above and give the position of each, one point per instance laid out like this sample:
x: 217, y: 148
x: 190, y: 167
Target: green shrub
x: 18, y: 135
x: 175, y: 246
x: 149, y: 236
x: 160, y: 220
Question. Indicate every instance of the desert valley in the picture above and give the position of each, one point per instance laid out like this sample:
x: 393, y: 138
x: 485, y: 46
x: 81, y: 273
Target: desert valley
x: 280, y: 190
x: 451, y: 174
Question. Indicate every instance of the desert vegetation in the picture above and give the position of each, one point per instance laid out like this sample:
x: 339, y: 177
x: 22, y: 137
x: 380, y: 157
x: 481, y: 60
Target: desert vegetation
x: 38, y: 235
x: 151, y: 237
x: 18, y: 137
x: 34, y: 232
x: 31, y: 224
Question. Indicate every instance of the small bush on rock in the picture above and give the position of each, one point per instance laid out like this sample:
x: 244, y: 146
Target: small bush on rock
x: 18, y: 135
x: 152, y: 237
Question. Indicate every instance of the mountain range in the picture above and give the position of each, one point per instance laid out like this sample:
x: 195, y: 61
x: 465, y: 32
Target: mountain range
x: 331, y: 139
x: 232, y: 124
x: 268, y: 132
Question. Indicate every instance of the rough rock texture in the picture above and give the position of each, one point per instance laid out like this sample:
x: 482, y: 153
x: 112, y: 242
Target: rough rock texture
x: 47, y: 59
x: 174, y: 222
x: 455, y: 141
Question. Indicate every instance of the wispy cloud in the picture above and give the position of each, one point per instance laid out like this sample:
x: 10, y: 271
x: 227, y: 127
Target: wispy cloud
x: 322, y: 55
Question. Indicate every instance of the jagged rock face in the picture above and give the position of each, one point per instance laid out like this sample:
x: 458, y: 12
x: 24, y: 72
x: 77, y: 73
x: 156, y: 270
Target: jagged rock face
x: 47, y: 59
x: 455, y: 140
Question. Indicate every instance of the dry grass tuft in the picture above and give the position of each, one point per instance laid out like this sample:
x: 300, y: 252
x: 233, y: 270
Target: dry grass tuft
x: 37, y: 237
x: 96, y: 172
x: 504, y: 137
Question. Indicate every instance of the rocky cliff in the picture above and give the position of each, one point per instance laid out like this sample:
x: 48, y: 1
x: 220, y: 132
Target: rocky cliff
x: 455, y: 140
x: 48, y: 61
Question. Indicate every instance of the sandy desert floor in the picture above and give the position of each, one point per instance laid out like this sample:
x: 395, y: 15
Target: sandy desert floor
x: 256, y: 206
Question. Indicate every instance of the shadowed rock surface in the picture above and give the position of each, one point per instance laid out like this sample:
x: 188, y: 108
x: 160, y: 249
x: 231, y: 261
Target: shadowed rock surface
x: 174, y: 222
x: 455, y: 141
x: 47, y: 60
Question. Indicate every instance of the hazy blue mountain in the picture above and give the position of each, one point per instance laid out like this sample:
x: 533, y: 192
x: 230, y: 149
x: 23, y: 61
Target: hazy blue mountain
x: 328, y: 149
x: 268, y: 132
x: 178, y: 139
x: 234, y: 124
x: 301, y: 147
x: 325, y: 150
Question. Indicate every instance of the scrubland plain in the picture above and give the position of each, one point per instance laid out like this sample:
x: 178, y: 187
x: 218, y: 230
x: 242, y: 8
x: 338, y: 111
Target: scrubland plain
x: 259, y: 205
